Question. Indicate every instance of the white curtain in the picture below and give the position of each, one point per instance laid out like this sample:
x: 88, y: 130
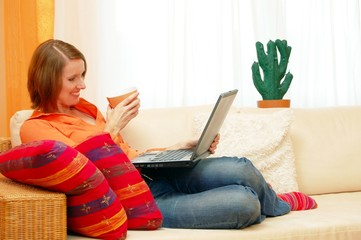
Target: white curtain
x: 185, y: 52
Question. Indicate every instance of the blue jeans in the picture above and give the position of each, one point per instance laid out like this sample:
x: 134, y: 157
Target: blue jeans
x: 218, y: 193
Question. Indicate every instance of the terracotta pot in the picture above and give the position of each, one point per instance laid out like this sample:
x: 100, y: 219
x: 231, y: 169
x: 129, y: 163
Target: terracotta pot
x: 282, y: 103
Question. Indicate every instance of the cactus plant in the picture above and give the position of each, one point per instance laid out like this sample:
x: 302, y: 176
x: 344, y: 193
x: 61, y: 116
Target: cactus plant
x: 272, y: 87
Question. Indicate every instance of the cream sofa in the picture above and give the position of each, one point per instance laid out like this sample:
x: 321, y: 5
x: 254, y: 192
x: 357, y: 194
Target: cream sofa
x: 323, y: 145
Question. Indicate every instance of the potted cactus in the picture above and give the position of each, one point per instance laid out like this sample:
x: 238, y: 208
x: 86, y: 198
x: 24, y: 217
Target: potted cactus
x: 275, y: 82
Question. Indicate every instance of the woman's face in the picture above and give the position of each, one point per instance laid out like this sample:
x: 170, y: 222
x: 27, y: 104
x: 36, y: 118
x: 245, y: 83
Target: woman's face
x: 73, y: 82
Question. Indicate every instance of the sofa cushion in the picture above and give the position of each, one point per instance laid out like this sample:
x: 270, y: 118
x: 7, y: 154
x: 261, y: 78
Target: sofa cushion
x: 327, y: 143
x: 15, y: 123
x: 125, y: 180
x: 263, y: 137
x: 93, y: 209
x: 338, y: 217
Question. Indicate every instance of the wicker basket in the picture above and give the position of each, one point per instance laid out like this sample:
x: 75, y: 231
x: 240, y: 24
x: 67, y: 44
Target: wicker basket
x: 27, y: 212
x: 5, y: 144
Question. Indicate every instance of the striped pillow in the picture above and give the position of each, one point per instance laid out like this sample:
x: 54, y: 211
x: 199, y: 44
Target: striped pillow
x: 93, y: 209
x: 125, y: 180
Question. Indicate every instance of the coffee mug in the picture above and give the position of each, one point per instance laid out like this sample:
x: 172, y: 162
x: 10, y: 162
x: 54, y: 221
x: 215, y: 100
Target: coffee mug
x: 126, y: 92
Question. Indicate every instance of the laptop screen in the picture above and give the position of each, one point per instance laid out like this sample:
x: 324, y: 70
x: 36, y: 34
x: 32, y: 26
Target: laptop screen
x: 214, y: 123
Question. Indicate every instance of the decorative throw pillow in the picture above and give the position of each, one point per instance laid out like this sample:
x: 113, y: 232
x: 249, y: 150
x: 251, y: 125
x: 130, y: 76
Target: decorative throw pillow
x: 262, y: 137
x: 125, y: 180
x: 93, y: 209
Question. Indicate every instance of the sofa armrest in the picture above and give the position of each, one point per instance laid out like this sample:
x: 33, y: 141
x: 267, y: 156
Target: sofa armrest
x: 5, y: 144
x: 28, y: 212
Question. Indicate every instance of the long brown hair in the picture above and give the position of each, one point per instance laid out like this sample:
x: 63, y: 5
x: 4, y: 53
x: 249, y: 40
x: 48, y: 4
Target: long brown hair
x: 45, y: 71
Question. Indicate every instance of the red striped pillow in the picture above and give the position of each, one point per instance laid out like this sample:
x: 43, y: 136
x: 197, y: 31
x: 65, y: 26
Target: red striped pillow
x: 125, y: 180
x: 93, y: 209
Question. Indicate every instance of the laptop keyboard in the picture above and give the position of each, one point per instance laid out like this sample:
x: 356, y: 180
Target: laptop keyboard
x: 172, y: 155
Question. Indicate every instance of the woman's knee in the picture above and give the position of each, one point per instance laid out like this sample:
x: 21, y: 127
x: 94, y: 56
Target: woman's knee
x: 243, y: 207
x: 248, y: 209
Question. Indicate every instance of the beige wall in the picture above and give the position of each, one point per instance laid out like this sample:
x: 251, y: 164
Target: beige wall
x: 3, y: 114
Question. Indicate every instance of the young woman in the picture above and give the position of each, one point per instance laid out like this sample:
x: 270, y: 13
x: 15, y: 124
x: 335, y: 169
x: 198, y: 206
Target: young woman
x: 225, y: 192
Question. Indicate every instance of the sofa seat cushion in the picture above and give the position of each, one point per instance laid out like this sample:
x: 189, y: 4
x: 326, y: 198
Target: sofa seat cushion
x: 337, y: 217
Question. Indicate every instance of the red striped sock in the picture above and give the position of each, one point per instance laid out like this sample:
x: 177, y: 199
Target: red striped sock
x: 298, y: 201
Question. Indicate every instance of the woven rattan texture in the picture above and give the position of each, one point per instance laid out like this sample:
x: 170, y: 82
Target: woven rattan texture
x: 5, y: 144
x: 28, y: 213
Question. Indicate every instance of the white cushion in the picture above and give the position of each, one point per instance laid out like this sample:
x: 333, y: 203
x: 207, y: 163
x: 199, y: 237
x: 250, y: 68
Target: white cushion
x: 263, y: 137
x: 15, y: 123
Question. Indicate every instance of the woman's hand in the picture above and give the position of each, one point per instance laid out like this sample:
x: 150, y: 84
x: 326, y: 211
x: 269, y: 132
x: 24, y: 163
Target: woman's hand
x: 213, y: 147
x: 120, y: 116
x: 193, y: 142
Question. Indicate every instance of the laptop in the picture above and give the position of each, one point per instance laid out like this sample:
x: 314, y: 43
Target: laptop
x: 190, y: 157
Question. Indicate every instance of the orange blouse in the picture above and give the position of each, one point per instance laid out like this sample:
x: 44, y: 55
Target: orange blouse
x: 69, y: 129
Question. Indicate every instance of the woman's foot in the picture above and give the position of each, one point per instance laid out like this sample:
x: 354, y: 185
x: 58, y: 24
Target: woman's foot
x: 298, y: 201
